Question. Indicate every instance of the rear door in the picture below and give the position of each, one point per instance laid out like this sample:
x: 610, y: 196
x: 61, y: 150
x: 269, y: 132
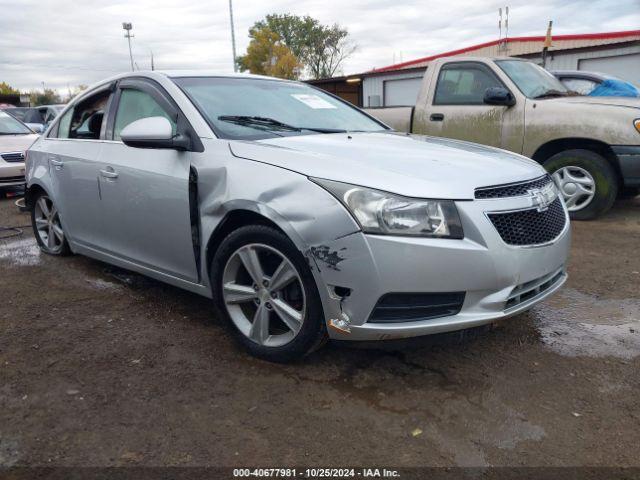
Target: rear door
x: 73, y: 148
x: 457, y: 108
x: 145, y: 192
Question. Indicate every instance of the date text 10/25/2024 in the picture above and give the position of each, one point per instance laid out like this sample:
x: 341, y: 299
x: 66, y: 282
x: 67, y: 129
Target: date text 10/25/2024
x: 310, y: 473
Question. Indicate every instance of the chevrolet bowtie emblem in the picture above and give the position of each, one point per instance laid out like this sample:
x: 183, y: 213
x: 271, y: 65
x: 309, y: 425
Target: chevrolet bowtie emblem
x: 541, y: 198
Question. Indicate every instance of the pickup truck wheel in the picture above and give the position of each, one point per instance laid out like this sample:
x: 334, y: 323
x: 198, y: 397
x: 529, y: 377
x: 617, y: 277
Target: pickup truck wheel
x: 263, y: 285
x: 586, y: 180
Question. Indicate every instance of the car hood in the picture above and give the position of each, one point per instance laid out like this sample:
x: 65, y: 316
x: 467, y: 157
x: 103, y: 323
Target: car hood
x: 411, y: 165
x: 16, y: 143
x: 629, y: 102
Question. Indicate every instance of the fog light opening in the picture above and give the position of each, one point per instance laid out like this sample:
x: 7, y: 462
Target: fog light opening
x: 341, y: 292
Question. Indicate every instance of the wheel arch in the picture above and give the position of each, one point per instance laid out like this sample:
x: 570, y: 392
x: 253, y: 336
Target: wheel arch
x: 244, y: 214
x: 31, y: 192
x: 551, y: 148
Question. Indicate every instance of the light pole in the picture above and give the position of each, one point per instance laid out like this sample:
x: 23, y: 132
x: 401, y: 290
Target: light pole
x: 127, y: 26
x: 233, y: 36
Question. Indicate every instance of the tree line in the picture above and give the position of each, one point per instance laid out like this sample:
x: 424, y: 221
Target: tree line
x: 46, y: 96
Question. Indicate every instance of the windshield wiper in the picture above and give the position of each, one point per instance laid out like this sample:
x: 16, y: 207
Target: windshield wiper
x: 261, y: 122
x: 551, y: 93
x: 270, y: 123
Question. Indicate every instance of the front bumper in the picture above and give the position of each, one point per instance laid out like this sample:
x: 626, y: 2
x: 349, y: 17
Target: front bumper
x: 11, y: 174
x: 629, y: 161
x: 482, y: 265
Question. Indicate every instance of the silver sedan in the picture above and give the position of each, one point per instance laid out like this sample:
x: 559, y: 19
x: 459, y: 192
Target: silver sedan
x: 301, y: 216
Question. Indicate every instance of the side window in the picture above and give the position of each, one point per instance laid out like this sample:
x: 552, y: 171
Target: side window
x: 134, y: 105
x: 579, y: 85
x: 88, y: 116
x: 49, y: 116
x: 463, y: 85
x: 34, y: 116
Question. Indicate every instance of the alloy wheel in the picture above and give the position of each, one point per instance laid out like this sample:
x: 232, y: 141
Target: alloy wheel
x: 576, y: 185
x: 48, y: 226
x: 264, y: 295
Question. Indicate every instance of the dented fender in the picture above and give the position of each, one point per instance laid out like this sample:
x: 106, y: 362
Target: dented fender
x: 310, y: 216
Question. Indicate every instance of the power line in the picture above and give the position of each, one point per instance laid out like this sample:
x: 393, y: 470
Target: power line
x: 29, y: 65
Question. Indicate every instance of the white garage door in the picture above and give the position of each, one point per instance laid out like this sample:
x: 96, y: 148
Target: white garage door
x: 626, y: 67
x: 401, y: 92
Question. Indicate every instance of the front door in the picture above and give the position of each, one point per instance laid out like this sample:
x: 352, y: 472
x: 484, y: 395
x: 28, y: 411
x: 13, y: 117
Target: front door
x: 145, y: 192
x: 457, y: 108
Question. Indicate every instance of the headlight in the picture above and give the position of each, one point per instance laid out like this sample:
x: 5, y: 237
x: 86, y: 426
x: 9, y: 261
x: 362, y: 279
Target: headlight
x: 386, y: 213
x: 636, y: 123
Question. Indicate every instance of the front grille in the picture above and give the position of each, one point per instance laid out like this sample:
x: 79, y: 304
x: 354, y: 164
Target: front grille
x: 512, y: 189
x: 11, y: 179
x: 13, y: 157
x: 530, y: 290
x: 530, y: 227
x: 414, y: 307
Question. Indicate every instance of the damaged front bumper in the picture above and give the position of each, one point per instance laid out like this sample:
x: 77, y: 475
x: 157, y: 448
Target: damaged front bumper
x: 497, y: 280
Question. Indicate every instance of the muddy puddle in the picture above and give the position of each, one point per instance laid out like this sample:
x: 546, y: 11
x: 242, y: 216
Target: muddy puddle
x: 20, y: 251
x: 577, y: 324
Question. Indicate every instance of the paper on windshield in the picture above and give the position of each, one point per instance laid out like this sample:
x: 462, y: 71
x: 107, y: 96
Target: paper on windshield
x: 312, y: 101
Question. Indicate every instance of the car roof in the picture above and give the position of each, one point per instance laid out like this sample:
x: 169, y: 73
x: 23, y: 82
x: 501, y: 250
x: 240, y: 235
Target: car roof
x: 467, y: 58
x: 581, y: 74
x: 182, y: 74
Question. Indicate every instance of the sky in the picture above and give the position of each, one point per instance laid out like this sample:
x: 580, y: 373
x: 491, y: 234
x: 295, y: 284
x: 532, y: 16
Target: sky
x: 64, y: 43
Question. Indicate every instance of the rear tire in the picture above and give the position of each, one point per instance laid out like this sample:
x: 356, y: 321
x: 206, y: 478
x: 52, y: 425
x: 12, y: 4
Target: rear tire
x: 47, y: 227
x: 291, y: 320
x: 586, y: 180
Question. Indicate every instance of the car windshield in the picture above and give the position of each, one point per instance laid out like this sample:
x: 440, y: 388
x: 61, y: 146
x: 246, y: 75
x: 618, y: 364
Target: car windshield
x: 17, y: 112
x: 533, y: 81
x: 11, y: 126
x: 253, y: 108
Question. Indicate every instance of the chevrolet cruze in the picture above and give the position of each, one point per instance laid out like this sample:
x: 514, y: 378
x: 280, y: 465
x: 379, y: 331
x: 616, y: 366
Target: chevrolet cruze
x: 301, y: 216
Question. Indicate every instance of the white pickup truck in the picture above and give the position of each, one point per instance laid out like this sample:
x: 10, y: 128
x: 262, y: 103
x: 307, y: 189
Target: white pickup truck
x: 590, y: 145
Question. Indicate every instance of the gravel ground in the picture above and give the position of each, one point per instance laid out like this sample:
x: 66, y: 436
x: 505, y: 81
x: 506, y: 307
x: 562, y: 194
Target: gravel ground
x: 102, y: 367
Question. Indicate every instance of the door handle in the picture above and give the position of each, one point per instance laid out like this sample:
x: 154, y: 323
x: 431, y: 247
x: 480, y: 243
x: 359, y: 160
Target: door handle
x: 436, y: 117
x: 109, y: 173
x: 56, y: 163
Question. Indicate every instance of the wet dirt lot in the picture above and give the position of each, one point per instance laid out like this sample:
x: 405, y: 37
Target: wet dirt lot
x: 99, y: 367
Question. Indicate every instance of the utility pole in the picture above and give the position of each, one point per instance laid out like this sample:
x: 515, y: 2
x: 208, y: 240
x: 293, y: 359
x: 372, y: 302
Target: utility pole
x: 503, y: 41
x: 127, y: 26
x: 547, y: 44
x: 152, y: 67
x: 233, y: 36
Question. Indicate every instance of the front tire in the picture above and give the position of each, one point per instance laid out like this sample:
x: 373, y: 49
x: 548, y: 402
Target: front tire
x: 264, y: 287
x: 586, y: 180
x: 47, y: 228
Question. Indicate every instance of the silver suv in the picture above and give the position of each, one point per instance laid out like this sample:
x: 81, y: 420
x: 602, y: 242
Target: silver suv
x: 301, y: 216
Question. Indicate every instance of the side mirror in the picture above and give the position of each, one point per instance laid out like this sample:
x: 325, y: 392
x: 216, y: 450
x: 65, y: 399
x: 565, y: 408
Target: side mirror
x: 153, y: 132
x: 498, y: 96
x: 36, y: 127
